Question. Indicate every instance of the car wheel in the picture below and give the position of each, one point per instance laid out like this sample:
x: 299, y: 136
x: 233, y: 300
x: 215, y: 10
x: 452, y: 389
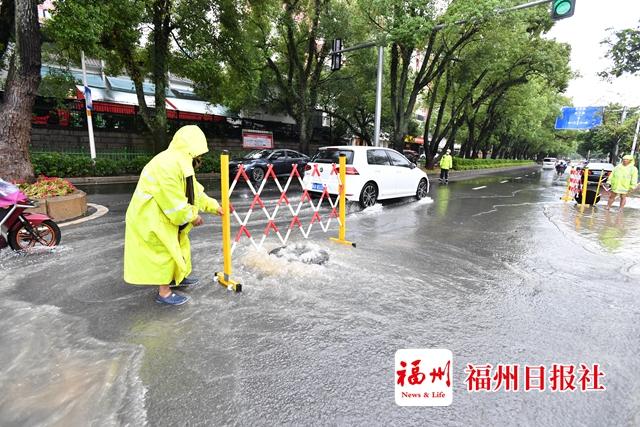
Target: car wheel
x: 257, y: 174
x: 368, y: 195
x: 423, y: 189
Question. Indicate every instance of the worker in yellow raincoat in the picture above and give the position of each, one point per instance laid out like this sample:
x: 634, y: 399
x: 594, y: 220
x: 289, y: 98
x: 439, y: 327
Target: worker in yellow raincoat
x: 446, y: 163
x: 622, y: 180
x: 162, y: 211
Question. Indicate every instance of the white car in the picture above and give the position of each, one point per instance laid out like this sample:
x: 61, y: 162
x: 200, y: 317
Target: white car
x: 549, y: 163
x: 373, y: 173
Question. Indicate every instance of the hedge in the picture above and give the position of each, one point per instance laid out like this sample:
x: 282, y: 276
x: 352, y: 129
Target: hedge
x: 469, y: 164
x: 69, y: 165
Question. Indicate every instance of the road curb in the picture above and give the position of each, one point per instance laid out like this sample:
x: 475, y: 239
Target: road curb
x: 463, y: 175
x: 100, y: 211
x: 124, y: 179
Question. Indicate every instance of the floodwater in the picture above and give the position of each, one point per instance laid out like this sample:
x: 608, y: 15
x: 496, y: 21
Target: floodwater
x: 497, y: 270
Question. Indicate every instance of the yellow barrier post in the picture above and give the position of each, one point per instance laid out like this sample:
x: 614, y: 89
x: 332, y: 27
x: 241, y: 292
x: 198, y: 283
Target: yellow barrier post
x: 224, y: 277
x: 595, y: 199
x: 342, y: 233
x: 585, y: 183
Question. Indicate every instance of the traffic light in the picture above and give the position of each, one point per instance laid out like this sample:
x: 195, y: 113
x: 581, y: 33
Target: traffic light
x: 336, y: 58
x: 561, y: 9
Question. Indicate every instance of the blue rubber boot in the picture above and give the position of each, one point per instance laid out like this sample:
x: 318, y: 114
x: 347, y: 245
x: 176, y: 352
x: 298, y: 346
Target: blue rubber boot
x: 187, y: 282
x: 173, y: 299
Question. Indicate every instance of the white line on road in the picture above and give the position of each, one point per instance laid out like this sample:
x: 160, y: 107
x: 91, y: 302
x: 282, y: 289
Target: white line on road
x: 479, y: 188
x: 100, y: 211
x: 519, y: 177
x: 502, y: 182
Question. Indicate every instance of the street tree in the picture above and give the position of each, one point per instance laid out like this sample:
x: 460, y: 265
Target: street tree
x: 130, y: 35
x: 624, y: 51
x: 419, y: 52
x: 294, y: 46
x: 466, y: 101
x: 21, y: 40
x: 614, y: 137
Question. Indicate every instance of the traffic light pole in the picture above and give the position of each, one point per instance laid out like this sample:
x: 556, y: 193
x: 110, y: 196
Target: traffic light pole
x: 497, y: 12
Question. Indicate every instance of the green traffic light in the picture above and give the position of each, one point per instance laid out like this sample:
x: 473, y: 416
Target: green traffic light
x: 562, y: 7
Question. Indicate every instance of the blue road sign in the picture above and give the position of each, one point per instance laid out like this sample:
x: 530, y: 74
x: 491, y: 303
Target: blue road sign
x: 87, y: 98
x: 582, y: 118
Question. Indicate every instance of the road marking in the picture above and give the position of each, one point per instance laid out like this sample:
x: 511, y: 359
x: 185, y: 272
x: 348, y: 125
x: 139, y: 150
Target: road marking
x: 100, y: 211
x: 502, y: 182
x: 519, y: 177
x: 479, y: 188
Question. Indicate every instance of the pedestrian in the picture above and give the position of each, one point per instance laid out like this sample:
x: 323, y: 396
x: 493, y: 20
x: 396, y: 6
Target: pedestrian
x: 163, y: 209
x: 561, y: 166
x: 622, y: 180
x: 446, y: 163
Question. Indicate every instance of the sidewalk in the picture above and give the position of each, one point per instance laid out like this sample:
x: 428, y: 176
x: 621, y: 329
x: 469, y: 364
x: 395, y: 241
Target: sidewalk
x: 453, y: 176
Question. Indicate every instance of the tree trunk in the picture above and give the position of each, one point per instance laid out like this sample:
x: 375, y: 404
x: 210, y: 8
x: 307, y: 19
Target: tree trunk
x: 20, y: 93
x: 161, y: 32
x: 306, y: 133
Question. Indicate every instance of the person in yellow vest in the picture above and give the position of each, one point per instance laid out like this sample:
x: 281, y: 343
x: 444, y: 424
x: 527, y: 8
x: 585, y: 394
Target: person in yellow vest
x: 163, y: 209
x: 446, y: 163
x: 622, y: 180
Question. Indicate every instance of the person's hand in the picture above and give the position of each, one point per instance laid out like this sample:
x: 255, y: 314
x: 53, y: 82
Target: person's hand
x: 198, y: 221
x: 219, y: 212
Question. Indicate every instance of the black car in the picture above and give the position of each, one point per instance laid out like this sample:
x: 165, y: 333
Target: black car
x: 411, y: 155
x: 598, y: 174
x: 256, y: 163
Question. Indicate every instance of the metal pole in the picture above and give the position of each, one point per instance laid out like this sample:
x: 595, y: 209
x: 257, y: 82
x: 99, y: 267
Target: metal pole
x: 342, y: 194
x: 635, y: 138
x: 376, y: 134
x: 87, y: 103
x: 224, y: 278
x: 585, y: 184
x: 617, y: 148
x: 497, y: 12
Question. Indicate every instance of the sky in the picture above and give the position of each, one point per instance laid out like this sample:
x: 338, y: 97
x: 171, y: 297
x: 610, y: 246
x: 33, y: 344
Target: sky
x: 584, y: 31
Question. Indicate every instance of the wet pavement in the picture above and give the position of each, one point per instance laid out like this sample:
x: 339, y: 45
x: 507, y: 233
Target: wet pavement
x: 496, y: 269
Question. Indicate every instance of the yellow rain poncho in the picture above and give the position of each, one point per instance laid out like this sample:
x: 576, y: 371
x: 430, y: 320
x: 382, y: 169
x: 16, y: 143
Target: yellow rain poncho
x: 446, y: 162
x: 156, y: 244
x: 623, y: 178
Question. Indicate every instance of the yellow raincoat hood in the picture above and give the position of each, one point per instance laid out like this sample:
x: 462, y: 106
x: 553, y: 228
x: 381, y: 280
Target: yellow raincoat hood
x: 189, y: 140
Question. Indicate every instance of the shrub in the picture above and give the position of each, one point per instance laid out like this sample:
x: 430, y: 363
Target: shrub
x: 47, y: 187
x: 472, y: 164
x: 79, y: 165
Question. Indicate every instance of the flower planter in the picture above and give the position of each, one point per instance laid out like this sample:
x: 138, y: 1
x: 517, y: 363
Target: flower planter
x: 61, y: 208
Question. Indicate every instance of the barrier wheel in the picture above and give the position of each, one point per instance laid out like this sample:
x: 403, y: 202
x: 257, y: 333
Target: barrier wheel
x: 368, y: 195
x: 257, y: 174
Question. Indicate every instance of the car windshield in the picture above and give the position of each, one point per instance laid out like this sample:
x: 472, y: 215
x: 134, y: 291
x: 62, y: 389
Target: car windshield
x: 257, y: 154
x: 600, y: 166
x: 332, y: 155
x: 549, y: 159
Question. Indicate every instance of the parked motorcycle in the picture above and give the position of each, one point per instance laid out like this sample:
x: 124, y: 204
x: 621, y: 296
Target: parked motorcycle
x: 21, y: 230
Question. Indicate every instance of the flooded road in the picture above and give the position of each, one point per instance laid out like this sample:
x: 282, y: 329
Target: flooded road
x: 496, y: 269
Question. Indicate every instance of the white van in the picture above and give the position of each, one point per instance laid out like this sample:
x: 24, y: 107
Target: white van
x: 549, y: 163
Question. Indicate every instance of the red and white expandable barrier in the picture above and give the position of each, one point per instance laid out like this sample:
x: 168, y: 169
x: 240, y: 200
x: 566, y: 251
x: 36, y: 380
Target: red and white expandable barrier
x: 295, y: 222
